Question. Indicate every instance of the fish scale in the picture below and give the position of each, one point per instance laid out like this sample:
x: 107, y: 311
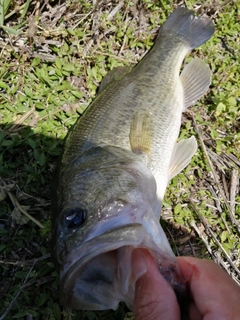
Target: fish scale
x: 146, y: 88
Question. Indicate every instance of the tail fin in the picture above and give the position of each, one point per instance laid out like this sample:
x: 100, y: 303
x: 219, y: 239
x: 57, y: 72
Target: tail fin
x: 192, y: 30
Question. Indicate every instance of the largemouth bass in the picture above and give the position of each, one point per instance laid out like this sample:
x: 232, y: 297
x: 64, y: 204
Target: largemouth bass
x: 117, y: 162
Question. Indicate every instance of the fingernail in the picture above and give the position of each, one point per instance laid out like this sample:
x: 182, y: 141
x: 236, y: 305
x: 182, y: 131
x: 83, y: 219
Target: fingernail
x: 139, y: 266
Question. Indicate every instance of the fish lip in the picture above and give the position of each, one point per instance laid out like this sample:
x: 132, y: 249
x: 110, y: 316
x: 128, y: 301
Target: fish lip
x: 134, y: 235
x: 77, y: 259
x: 88, y: 246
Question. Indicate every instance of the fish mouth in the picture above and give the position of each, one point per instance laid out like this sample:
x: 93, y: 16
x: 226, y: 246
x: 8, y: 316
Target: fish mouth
x: 100, y: 273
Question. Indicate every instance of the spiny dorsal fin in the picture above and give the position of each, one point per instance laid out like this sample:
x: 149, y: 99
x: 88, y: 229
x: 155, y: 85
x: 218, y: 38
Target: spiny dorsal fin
x: 115, y: 74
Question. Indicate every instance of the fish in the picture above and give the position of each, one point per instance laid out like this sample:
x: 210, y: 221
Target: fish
x: 116, y: 164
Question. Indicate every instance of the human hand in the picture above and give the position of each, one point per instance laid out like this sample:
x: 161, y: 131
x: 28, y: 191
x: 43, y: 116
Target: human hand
x: 213, y: 294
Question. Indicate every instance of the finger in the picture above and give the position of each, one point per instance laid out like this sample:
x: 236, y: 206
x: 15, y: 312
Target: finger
x: 193, y: 312
x: 154, y: 298
x: 215, y: 294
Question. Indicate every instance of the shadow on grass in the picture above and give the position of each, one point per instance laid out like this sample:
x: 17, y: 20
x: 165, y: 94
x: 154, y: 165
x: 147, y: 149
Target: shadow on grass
x: 29, y: 280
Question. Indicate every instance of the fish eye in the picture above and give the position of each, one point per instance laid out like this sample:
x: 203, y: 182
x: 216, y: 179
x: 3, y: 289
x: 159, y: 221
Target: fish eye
x: 75, y: 217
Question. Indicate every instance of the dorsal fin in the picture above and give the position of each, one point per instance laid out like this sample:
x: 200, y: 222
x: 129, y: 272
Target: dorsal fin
x: 115, y: 74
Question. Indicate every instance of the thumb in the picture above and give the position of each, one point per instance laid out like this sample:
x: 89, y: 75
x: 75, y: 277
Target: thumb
x: 154, y: 298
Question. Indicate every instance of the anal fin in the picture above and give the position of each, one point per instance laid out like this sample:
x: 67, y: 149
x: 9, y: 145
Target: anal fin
x: 181, y: 156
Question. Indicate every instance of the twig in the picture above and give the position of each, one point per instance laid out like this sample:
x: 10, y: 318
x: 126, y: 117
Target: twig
x: 17, y: 9
x: 215, y: 198
x: 84, y: 18
x: 115, y: 10
x: 111, y: 56
x: 193, y: 224
x: 225, y: 186
x: 233, y: 189
x: 232, y: 158
x: 18, y: 293
x: 40, y: 200
x: 193, y: 250
x: 225, y: 252
x: 125, y: 37
x: 232, y: 217
x: 215, y: 239
x: 22, y: 119
x: 173, y: 242
x: 26, y: 262
x: 17, y: 204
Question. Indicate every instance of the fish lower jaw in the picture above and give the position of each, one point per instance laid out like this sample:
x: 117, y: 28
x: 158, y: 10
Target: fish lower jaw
x: 92, y: 286
x: 101, y: 283
x: 103, y: 277
x: 100, y: 275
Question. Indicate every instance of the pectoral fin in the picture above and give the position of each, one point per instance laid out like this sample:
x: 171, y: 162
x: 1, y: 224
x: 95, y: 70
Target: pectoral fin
x: 141, y: 133
x: 195, y: 78
x: 115, y: 74
x: 181, y: 156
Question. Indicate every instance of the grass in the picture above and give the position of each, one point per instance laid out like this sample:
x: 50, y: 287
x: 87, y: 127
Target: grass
x: 53, y: 57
